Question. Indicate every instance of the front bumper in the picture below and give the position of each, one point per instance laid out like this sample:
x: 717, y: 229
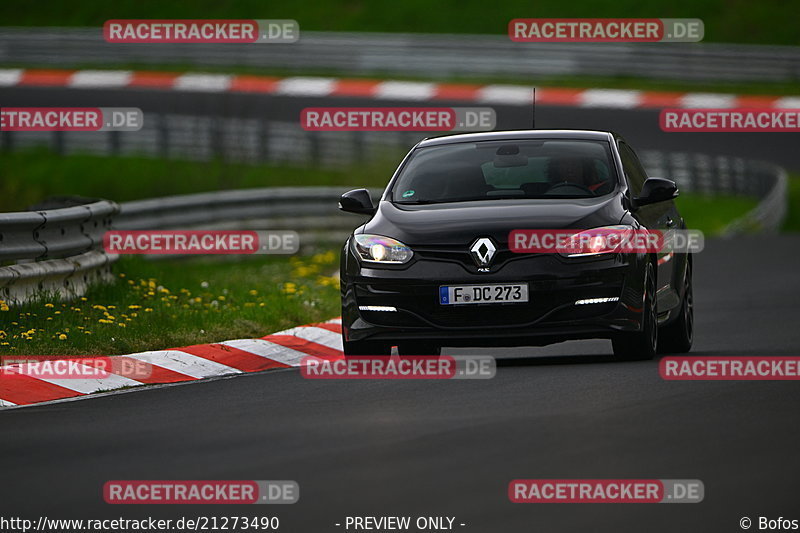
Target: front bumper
x: 551, y: 315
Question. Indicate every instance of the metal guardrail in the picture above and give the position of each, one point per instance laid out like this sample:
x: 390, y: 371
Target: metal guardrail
x: 277, y: 205
x: 58, y: 251
x: 52, y: 235
x: 769, y: 214
x: 733, y: 176
x: 54, y: 250
x: 425, y: 55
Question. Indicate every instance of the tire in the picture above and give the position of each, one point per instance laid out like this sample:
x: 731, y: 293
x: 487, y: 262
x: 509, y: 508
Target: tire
x: 419, y: 348
x: 365, y: 348
x: 641, y: 345
x: 678, y: 336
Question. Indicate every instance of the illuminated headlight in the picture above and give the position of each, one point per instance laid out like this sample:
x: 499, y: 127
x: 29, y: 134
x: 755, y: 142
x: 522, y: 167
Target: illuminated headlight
x: 379, y: 249
x: 597, y: 241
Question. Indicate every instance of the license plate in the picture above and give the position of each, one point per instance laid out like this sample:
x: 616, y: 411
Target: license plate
x: 483, y: 294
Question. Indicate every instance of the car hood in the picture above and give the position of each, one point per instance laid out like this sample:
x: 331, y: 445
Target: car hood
x: 463, y: 221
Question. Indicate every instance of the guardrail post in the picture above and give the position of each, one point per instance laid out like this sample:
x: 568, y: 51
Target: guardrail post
x: 316, y: 149
x: 359, y: 153
x: 58, y: 142
x: 114, y: 142
x: 163, y: 135
x: 263, y: 141
x: 6, y: 141
x: 217, y: 139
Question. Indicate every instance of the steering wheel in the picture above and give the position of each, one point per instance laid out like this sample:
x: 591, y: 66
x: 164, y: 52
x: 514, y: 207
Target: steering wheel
x: 564, y: 184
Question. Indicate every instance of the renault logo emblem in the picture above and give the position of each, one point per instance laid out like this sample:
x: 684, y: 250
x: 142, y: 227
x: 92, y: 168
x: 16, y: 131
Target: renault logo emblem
x: 482, y: 251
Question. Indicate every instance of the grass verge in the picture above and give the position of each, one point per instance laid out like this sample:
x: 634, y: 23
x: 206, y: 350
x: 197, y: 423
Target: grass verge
x: 711, y: 214
x: 29, y: 176
x: 167, y: 304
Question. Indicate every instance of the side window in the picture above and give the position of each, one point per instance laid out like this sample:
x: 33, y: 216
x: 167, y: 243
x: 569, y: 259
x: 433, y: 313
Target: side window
x: 633, y: 168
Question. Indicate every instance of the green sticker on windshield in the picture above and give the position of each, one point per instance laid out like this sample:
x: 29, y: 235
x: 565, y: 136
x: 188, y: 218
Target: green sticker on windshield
x: 409, y: 193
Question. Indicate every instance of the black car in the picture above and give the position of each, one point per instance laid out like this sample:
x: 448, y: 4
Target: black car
x: 413, y: 275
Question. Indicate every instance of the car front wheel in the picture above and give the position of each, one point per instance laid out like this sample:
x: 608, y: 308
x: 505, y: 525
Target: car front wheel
x: 677, y: 337
x: 641, y: 345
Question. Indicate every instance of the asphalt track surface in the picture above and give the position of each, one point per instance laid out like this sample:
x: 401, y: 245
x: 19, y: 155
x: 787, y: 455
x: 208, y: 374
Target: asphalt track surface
x: 411, y: 448
x: 451, y: 448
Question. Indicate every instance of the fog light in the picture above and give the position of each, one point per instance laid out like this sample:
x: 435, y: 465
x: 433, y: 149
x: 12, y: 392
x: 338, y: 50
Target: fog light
x: 589, y: 301
x: 388, y: 308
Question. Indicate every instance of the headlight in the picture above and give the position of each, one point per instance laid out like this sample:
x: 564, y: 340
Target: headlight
x: 597, y: 241
x: 379, y: 249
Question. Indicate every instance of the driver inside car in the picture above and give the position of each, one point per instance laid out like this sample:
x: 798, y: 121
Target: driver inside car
x: 574, y: 170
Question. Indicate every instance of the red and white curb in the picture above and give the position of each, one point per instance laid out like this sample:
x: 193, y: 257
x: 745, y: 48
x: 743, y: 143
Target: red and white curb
x: 384, y: 89
x: 284, y: 349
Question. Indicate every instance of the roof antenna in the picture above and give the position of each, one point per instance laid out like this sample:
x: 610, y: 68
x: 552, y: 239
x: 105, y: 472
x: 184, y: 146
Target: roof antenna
x: 533, y: 118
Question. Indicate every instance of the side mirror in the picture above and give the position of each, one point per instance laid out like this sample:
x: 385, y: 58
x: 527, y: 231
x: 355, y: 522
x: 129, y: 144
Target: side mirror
x: 357, y: 201
x: 656, y: 190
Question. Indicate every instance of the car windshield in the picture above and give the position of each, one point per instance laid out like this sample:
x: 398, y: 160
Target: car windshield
x: 513, y: 169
